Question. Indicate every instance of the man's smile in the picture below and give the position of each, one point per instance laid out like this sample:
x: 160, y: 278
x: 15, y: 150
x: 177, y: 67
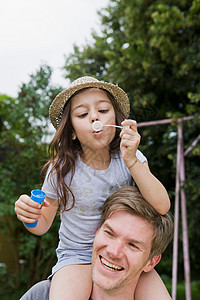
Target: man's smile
x: 110, y: 266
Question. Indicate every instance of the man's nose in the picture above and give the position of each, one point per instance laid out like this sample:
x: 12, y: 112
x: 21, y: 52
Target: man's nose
x: 115, y: 249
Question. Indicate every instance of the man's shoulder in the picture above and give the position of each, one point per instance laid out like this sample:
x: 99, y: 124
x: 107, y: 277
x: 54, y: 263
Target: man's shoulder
x: 40, y: 291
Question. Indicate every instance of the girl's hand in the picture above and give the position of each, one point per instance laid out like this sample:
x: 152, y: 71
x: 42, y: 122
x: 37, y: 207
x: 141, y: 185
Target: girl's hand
x: 28, y: 210
x: 130, y: 140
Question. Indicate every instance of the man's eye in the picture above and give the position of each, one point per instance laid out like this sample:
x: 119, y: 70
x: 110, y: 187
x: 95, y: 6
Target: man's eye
x: 108, y: 233
x: 133, y: 246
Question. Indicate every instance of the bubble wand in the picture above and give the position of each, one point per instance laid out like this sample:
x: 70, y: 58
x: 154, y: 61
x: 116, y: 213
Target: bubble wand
x: 98, y: 125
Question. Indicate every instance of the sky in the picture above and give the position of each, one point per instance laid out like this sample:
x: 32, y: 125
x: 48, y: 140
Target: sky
x: 33, y: 32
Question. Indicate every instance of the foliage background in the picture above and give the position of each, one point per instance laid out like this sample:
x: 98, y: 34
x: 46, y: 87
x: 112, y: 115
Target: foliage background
x: 151, y: 49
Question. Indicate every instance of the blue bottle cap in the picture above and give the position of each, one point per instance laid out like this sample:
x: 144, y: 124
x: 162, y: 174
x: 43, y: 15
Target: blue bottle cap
x: 38, y: 195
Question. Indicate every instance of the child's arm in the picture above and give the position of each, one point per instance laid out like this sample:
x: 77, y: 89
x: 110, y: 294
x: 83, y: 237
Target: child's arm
x: 29, y: 211
x: 150, y: 187
x: 151, y: 287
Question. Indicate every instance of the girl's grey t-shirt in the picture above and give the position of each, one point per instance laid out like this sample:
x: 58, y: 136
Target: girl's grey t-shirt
x: 91, y: 188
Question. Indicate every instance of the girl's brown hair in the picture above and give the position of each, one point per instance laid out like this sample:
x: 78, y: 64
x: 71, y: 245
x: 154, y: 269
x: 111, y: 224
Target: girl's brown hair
x: 63, y: 151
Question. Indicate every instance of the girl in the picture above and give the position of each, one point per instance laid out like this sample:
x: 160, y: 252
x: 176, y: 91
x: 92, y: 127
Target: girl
x: 85, y: 166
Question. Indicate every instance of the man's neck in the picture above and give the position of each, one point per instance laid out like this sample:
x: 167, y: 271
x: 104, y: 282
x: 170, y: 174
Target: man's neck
x: 99, y: 294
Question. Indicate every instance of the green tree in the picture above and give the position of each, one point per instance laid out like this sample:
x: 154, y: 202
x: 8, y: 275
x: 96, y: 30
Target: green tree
x: 24, y: 137
x: 152, y: 50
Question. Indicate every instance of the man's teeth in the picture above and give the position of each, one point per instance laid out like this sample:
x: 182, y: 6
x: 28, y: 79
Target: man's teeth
x: 110, y: 266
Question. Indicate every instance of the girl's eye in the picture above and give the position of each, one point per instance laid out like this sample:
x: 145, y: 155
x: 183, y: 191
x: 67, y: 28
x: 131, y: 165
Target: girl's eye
x: 82, y: 115
x: 103, y: 111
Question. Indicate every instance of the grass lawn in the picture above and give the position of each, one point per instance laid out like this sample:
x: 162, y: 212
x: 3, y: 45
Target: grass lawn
x: 180, y: 292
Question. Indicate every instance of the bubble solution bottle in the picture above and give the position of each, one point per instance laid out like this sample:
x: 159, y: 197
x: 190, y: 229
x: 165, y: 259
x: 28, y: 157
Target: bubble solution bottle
x: 37, y: 196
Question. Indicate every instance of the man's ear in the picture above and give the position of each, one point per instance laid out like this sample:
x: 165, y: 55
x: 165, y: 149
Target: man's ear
x: 152, y: 263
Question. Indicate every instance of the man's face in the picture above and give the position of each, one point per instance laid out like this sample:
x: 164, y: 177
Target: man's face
x: 121, y: 251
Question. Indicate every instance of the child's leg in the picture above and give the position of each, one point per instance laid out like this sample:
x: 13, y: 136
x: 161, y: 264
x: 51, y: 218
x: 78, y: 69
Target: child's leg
x: 151, y: 287
x: 71, y: 282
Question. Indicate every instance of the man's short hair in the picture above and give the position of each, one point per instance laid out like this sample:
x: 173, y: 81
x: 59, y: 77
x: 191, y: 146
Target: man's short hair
x: 129, y: 199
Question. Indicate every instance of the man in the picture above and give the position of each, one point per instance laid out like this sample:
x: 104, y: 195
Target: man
x: 130, y: 240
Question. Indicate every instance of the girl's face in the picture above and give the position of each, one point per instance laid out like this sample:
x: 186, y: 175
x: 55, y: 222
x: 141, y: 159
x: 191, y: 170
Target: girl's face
x: 88, y: 106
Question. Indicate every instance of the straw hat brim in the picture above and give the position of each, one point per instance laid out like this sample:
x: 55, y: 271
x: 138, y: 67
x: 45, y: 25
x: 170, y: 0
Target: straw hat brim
x: 57, y: 106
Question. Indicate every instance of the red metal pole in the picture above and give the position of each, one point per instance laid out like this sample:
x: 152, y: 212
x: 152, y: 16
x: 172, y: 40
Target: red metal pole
x: 192, y: 145
x: 176, y: 222
x: 184, y: 221
x: 180, y: 176
x: 162, y: 122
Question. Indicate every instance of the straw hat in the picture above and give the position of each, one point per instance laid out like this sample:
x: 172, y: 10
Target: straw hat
x: 57, y: 106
